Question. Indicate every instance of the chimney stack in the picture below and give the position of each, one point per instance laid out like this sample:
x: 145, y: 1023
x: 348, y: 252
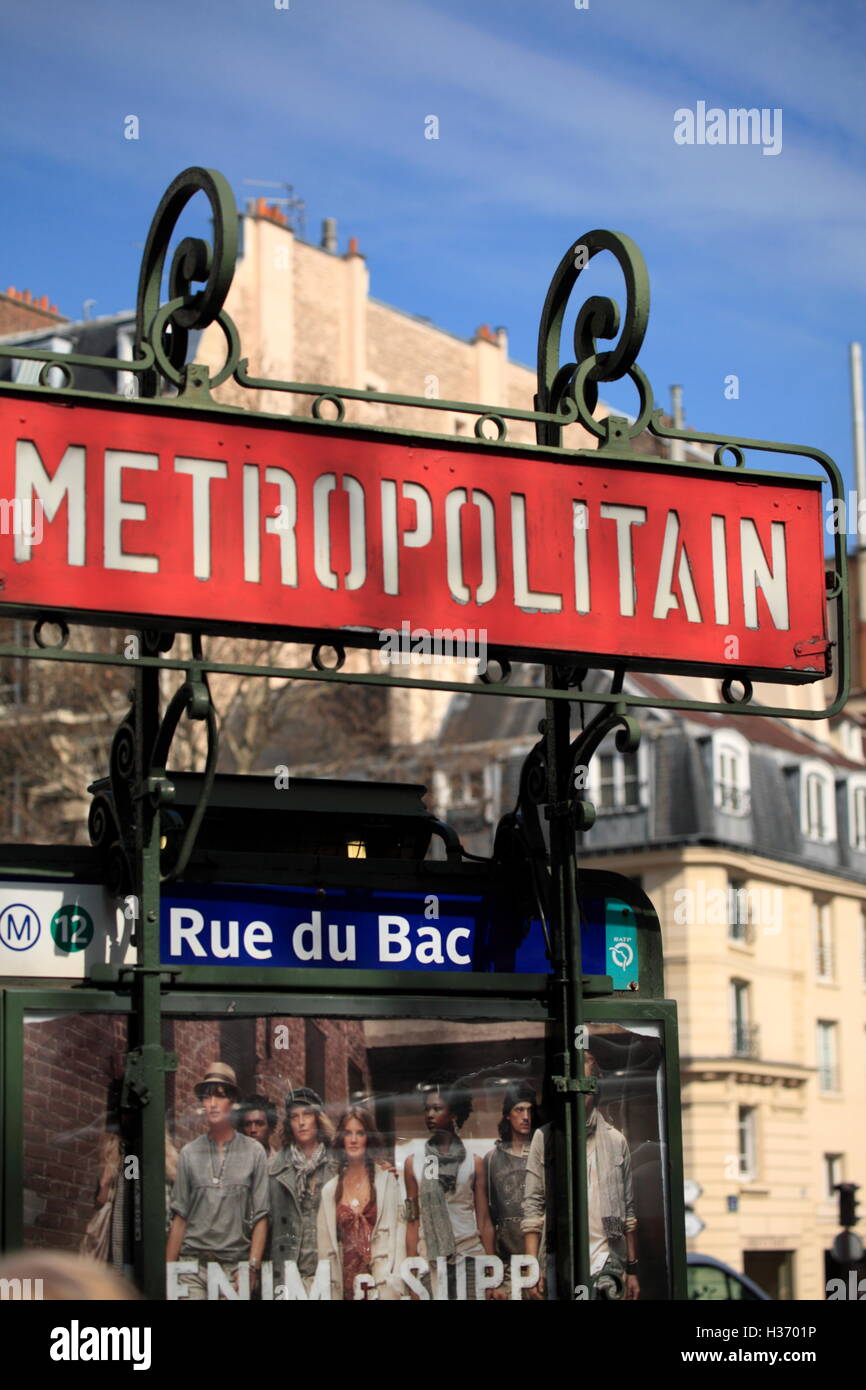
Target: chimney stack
x: 329, y: 235
x: 677, y: 448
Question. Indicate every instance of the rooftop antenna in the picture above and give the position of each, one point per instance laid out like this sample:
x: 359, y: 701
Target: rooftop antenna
x: 855, y: 358
x: 296, y: 210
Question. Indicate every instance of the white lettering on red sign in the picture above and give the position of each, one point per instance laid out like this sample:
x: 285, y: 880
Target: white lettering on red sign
x: 235, y: 523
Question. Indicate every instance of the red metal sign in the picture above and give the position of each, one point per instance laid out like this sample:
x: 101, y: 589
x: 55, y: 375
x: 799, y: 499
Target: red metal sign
x: 131, y: 511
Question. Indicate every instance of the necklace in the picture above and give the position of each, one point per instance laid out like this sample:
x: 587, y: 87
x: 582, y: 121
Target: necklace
x: 217, y: 1178
x: 363, y: 1187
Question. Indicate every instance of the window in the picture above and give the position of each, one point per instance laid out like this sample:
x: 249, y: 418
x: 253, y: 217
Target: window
x: 744, y: 1034
x: 314, y: 1049
x: 851, y: 738
x: 14, y: 672
x: 857, y: 813
x: 828, y: 1067
x: 816, y: 807
x: 355, y: 1083
x: 441, y: 792
x: 713, y: 1284
x: 26, y: 370
x: 822, y: 935
x: 747, y: 1142
x: 469, y: 788
x: 731, y: 785
x: 817, y: 802
x: 615, y: 781
x: 127, y: 382
x: 739, y: 913
x: 832, y: 1174
x: 238, y: 1047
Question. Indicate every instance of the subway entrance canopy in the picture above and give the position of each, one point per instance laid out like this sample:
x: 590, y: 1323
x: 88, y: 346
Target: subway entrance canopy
x: 306, y: 933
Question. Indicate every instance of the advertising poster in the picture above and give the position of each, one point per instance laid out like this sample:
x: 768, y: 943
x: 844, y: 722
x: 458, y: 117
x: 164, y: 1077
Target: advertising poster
x: 324, y: 1159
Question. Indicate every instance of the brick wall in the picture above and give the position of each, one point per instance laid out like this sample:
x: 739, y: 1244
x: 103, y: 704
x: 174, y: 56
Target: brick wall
x: 282, y: 1063
x: 197, y: 1044
x: 19, y: 315
x: 68, y: 1065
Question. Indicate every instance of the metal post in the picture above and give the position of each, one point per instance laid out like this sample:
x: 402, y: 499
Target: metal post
x: 570, y: 1132
x: 146, y: 1060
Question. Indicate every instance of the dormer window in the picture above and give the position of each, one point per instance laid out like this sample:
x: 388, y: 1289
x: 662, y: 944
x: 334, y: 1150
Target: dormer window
x: 731, y: 784
x: 127, y: 382
x: 851, y: 738
x: 616, y: 780
x: 817, y: 802
x: 25, y: 370
x: 857, y: 813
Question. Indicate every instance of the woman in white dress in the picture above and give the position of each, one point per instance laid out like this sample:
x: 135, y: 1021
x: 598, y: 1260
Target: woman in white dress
x: 361, y: 1231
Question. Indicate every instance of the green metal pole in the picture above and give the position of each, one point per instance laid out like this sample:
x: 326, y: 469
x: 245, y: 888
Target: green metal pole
x: 570, y: 1131
x: 146, y: 1064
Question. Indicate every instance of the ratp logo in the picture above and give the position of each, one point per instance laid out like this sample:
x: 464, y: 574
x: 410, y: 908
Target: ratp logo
x: 20, y: 927
x: 622, y: 954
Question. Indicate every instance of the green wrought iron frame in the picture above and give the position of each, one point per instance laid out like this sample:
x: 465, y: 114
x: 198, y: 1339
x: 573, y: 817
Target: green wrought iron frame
x: 142, y: 787
x: 567, y: 393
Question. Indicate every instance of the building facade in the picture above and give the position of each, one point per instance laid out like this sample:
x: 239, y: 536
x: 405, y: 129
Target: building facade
x: 749, y: 837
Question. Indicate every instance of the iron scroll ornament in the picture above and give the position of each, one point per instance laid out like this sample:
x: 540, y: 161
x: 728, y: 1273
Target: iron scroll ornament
x: 114, y: 809
x: 599, y: 317
x: 194, y: 260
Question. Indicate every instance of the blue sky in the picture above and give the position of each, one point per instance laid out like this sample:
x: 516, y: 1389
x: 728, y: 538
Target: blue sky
x: 552, y: 121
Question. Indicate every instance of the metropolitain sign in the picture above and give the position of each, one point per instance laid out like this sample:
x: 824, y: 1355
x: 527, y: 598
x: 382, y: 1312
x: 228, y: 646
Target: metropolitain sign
x: 234, y: 523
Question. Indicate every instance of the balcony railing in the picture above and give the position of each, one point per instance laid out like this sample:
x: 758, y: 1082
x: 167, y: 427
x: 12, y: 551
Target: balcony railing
x: 744, y: 1039
x: 741, y: 929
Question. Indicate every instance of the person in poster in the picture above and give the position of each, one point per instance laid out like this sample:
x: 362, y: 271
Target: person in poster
x: 220, y: 1197
x: 257, y: 1119
x: 505, y: 1174
x: 446, y: 1195
x: 613, y: 1264
x: 298, y: 1173
x: 361, y: 1231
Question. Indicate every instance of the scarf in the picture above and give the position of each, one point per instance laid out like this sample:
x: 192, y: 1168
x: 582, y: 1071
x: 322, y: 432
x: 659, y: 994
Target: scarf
x: 610, y: 1192
x: 438, y: 1231
x: 305, y: 1168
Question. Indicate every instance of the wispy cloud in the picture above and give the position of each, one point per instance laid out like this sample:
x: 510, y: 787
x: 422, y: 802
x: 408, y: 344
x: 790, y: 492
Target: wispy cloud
x: 551, y: 121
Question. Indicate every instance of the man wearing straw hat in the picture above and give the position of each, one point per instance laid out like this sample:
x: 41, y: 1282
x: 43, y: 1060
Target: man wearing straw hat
x: 220, y: 1198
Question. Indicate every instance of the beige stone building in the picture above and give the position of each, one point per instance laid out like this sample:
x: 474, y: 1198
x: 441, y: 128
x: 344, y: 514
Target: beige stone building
x: 749, y: 837
x: 765, y: 952
x: 305, y: 314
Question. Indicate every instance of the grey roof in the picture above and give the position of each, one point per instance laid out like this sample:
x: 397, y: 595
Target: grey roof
x: 89, y: 338
x: 678, y: 804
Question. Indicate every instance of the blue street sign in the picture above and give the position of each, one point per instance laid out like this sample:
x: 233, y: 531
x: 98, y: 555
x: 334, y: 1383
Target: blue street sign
x: 335, y: 928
